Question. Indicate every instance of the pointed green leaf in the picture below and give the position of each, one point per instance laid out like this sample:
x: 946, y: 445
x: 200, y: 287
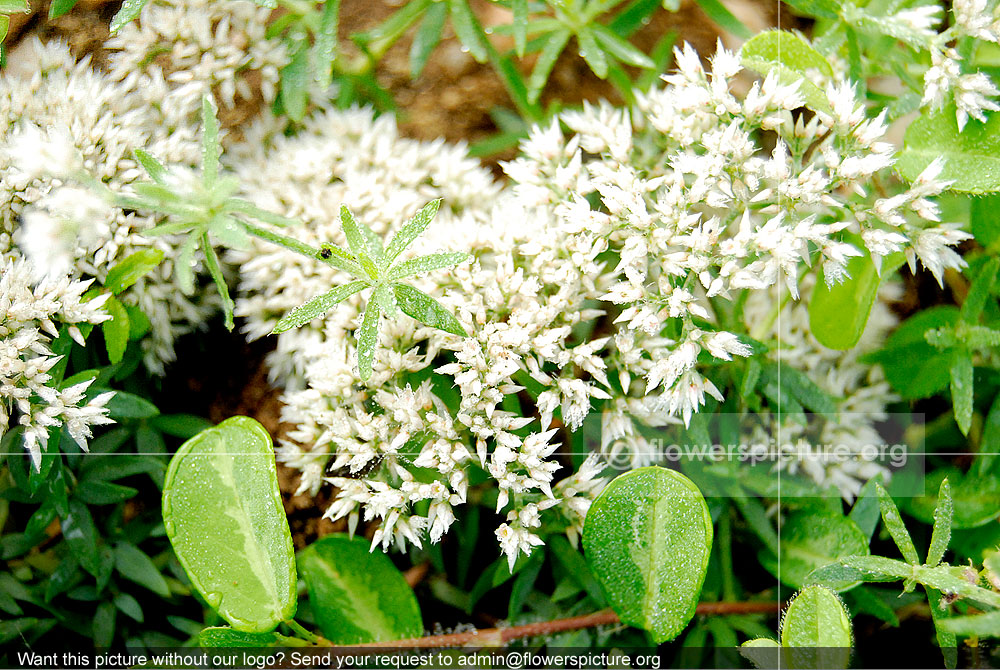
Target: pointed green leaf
x: 942, y: 525
x: 128, y: 271
x: 619, y: 48
x: 352, y: 231
x: 427, y: 310
x: 156, y: 171
x: 468, y: 30
x: 325, y: 47
x: 592, y: 52
x: 554, y: 45
x: 215, y: 270
x: 980, y: 291
x: 386, y: 300
x: 427, y: 37
x: 221, y: 499
x: 133, y: 564
x: 894, y: 524
x: 724, y: 18
x: 647, y: 539
x: 981, y: 625
x: 294, y: 78
x: 115, y: 329
x: 520, y: 25
x: 318, y: 306
x: 426, y: 263
x: 369, y: 266
x: 962, y: 389
x: 184, y: 265
x: 130, y: 10
x: 946, y: 639
x: 411, y: 230
x: 209, y: 141
x: 368, y: 340
x: 80, y: 534
x: 358, y: 595
x: 984, y: 217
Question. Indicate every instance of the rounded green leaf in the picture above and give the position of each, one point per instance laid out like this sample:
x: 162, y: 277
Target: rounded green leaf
x: 356, y: 595
x: 647, y: 539
x: 816, y: 618
x: 223, y: 514
x: 812, y: 540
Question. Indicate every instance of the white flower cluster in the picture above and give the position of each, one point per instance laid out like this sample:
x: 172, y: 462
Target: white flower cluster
x: 597, y: 279
x: 179, y: 50
x: 65, y: 117
x: 29, y: 314
x: 945, y: 80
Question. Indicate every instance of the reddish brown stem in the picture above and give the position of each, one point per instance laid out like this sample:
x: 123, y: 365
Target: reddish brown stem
x: 495, y: 637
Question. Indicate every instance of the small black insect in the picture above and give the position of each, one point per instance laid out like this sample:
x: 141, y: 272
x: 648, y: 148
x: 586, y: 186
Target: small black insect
x: 325, y: 253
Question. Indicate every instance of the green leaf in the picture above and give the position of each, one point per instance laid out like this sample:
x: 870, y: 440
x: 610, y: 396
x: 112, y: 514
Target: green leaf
x: 982, y: 625
x: 352, y: 231
x: 60, y: 7
x: 468, y: 30
x: 811, y: 540
x: 116, y: 330
x: 427, y: 263
x: 785, y: 48
x: 426, y: 310
x: 221, y: 499
x: 95, y: 492
x: 103, y: 625
x: 975, y: 496
x: 838, y: 314
x: 229, y: 637
x: 129, y: 606
x: 984, y: 216
x: 130, y: 10
x: 971, y: 157
x: 318, y: 306
x: 827, y: 9
x: 914, y: 368
x: 799, y: 386
x: 724, y: 18
x: 427, y: 37
x: 962, y: 389
x: 941, y: 534
x: 816, y: 618
x: 386, y: 300
x: 132, y: 563
x: 411, y: 230
x: 184, y: 265
x: 946, y: 639
x: 592, y: 53
x: 368, y: 340
x: 215, y: 270
x: 209, y: 141
x: 520, y: 25
x: 14, y: 6
x: 894, y: 524
x: 80, y: 534
x: 325, y: 46
x: 127, y: 272
x: 554, y: 45
x: 619, y: 48
x: 980, y: 291
x: 294, y: 79
x: 647, y: 539
x: 358, y: 595
x: 154, y: 168
x: 130, y: 406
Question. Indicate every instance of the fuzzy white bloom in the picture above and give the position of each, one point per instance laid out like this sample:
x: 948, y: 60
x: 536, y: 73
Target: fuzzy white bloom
x: 29, y: 313
x: 976, y: 19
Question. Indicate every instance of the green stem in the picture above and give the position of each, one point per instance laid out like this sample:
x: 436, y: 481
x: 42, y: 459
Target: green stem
x: 301, y: 631
x: 726, y: 554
